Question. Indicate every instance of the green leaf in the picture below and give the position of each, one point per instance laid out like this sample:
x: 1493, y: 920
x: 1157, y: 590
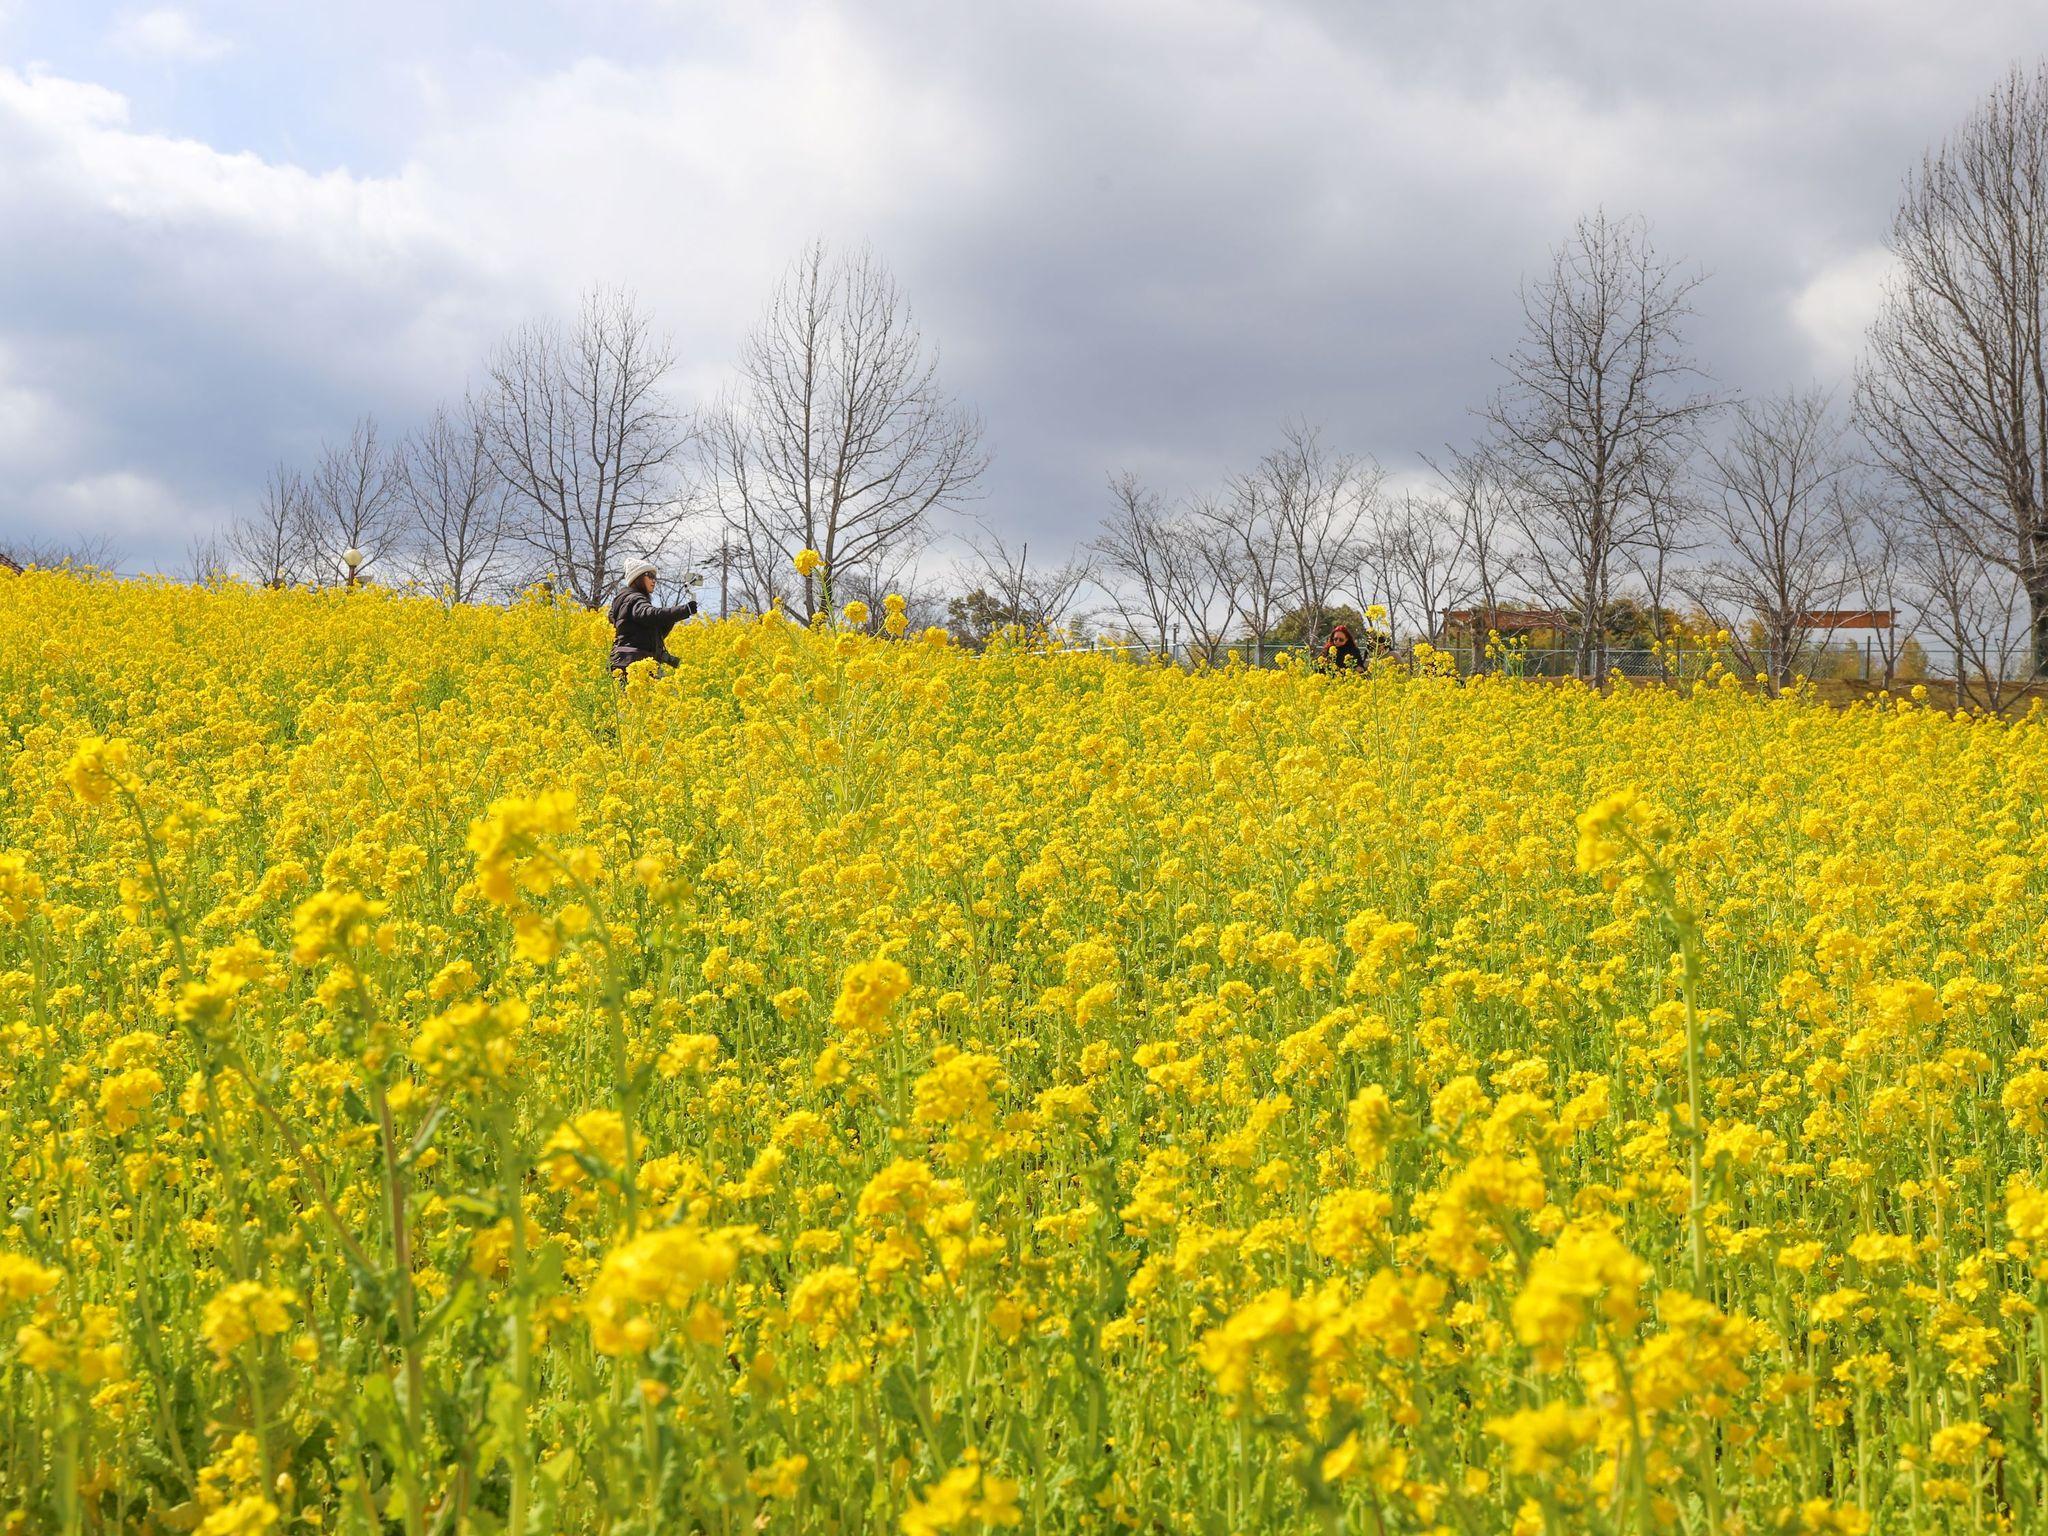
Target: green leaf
x: 377, y: 1415
x: 424, y: 1136
x: 454, y: 1307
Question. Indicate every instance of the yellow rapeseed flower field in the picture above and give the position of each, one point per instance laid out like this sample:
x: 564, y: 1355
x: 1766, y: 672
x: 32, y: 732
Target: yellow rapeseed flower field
x: 848, y: 1085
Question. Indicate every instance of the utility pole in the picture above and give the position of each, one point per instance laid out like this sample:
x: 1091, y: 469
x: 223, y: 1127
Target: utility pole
x: 724, y: 568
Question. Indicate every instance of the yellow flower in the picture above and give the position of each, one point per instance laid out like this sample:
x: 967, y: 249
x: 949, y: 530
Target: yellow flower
x: 809, y: 562
x: 97, y: 768
x: 1956, y: 1445
x: 1370, y: 1120
x: 1616, y: 824
x: 669, y: 1271
x: 331, y: 923
x: 124, y: 1096
x: 511, y: 845
x: 250, y: 1515
x: 247, y: 1310
x: 965, y: 1499
x: 2026, y: 1211
x: 23, y: 1279
x: 1351, y: 1224
x: 474, y: 1043
x: 1542, y: 1440
x: 1826, y: 1519
x: 1069, y: 1016
x: 824, y: 1301
x: 20, y: 887
x: 1588, y: 1274
x: 959, y: 1092
x: 867, y: 992
x: 780, y: 1479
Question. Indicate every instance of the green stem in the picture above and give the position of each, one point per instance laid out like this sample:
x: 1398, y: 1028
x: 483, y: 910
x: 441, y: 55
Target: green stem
x: 401, y: 1261
x: 521, y: 1449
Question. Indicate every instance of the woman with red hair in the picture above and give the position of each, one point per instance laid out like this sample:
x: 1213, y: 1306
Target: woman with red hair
x: 1340, y: 652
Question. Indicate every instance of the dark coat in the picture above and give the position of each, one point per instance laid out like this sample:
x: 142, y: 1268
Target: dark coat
x: 1342, y: 656
x: 640, y: 629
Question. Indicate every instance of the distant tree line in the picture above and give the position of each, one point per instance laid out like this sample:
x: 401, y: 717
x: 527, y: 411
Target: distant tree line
x: 1612, y: 485
x: 571, y: 458
x: 1609, y: 482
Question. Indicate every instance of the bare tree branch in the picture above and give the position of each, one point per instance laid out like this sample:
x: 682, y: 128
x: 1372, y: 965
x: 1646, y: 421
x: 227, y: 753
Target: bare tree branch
x: 450, y: 505
x: 1137, y: 571
x: 1954, y: 397
x: 1777, y: 525
x: 1597, y: 408
x: 838, y: 437
x: 349, y: 505
x: 1037, y: 599
x: 591, y: 452
x: 270, y: 542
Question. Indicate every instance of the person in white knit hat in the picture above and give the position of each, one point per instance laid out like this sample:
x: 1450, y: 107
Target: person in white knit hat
x: 639, y: 627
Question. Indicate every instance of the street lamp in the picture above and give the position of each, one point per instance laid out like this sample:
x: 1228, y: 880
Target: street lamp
x: 354, y: 557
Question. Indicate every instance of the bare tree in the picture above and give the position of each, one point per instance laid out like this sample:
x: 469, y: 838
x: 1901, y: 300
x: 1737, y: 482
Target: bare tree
x: 1172, y: 576
x: 1597, y: 403
x: 1670, y: 514
x: 79, y: 552
x: 1421, y: 550
x: 1240, y: 545
x: 1283, y: 537
x: 451, y: 505
x: 1319, y: 503
x: 1481, y: 497
x: 924, y: 598
x: 1378, y: 572
x: 590, y: 450
x: 349, y: 505
x: 1204, y: 585
x: 207, y: 559
x: 1954, y: 396
x: 1039, y: 599
x: 1136, y: 550
x: 1876, y: 540
x: 1775, y: 521
x: 1975, y: 608
x: 839, y: 437
x: 270, y: 541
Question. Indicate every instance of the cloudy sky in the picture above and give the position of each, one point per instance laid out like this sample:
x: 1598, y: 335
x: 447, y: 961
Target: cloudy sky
x: 1143, y: 232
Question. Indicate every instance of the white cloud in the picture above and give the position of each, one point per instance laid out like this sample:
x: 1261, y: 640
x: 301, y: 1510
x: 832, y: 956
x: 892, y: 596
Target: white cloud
x: 35, y: 429
x: 1142, y: 233
x: 179, y: 315
x: 1834, y: 310
x: 145, y: 522
x: 344, y: 275
x: 169, y: 33
x: 79, y: 148
x: 124, y: 502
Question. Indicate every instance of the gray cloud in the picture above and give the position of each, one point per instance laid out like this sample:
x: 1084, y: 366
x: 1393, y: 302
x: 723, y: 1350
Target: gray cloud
x: 1141, y: 233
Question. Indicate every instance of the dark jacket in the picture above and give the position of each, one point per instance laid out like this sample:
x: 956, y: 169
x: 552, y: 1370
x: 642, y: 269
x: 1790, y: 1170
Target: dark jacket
x: 1342, y: 656
x: 640, y: 629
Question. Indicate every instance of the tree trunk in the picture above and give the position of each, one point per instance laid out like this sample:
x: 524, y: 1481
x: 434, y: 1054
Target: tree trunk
x: 2037, y: 626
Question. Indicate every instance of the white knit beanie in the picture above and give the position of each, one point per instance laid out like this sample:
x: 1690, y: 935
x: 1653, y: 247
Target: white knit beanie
x: 638, y: 569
